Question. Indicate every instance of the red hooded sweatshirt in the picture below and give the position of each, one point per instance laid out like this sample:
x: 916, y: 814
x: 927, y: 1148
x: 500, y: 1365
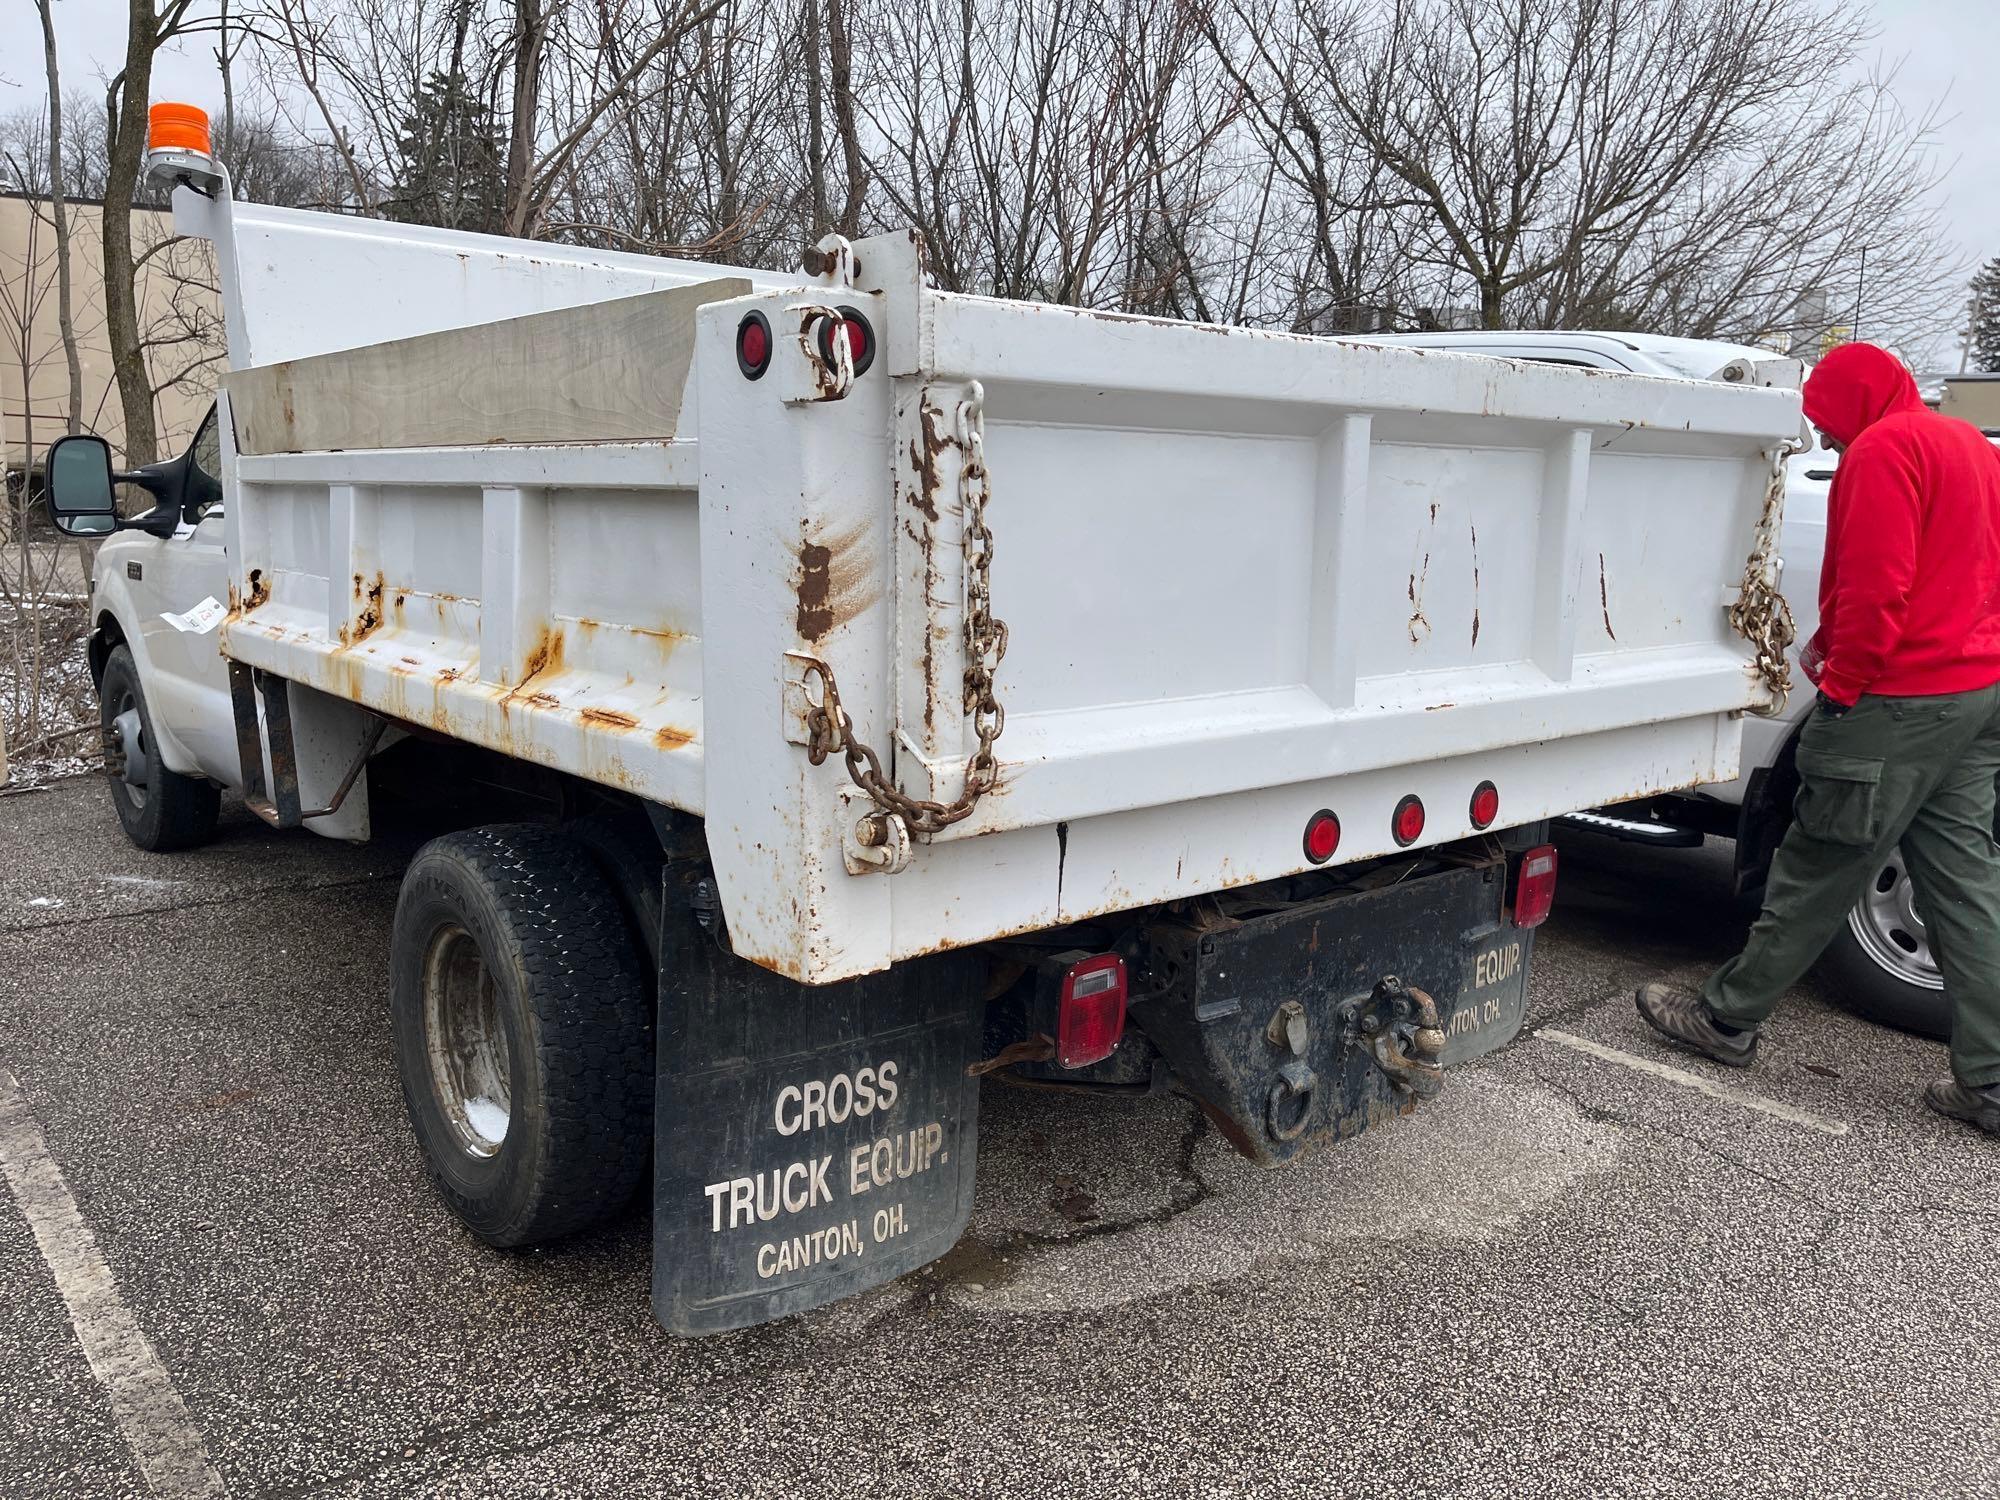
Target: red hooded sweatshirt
x: 1909, y: 598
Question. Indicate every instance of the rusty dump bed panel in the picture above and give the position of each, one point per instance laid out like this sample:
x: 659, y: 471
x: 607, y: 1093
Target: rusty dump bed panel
x: 1243, y: 576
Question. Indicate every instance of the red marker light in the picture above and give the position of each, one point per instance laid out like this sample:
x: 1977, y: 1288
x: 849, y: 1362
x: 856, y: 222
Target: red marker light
x: 1485, y: 804
x: 1408, y: 823
x: 753, y: 345
x: 1092, y: 1015
x: 860, y: 339
x: 1322, y: 836
x: 1535, y: 887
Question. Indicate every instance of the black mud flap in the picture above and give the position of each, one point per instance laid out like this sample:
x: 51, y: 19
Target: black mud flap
x: 810, y: 1143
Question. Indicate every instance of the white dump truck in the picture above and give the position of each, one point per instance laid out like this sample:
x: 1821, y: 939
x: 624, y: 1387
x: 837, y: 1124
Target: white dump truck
x: 836, y: 690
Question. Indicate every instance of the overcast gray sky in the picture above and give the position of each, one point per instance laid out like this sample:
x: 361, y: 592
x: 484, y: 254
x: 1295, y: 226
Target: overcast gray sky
x: 1947, y: 53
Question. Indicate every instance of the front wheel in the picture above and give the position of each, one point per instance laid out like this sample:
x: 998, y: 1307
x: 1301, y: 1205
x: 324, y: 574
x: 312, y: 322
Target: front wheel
x: 160, y: 810
x: 1880, y: 964
x: 524, y: 1032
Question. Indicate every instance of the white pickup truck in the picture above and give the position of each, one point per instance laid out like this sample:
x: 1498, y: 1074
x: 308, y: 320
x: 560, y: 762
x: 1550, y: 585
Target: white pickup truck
x: 843, y: 689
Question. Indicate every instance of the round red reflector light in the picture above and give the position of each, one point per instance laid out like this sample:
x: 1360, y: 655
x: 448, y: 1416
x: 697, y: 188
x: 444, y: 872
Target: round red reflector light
x: 1322, y: 836
x: 1485, y: 804
x: 860, y: 339
x: 753, y: 345
x: 1408, y: 823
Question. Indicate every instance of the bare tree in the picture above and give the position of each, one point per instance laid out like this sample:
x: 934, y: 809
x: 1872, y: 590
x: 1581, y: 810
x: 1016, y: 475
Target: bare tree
x: 150, y: 25
x: 59, y: 220
x: 1674, y: 164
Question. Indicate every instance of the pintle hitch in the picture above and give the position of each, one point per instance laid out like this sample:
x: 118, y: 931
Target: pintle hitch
x: 1397, y: 1025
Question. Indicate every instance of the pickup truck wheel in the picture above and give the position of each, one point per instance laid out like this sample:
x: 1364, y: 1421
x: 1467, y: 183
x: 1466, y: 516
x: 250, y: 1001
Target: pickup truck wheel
x: 160, y: 810
x: 524, y: 1032
x: 1880, y: 965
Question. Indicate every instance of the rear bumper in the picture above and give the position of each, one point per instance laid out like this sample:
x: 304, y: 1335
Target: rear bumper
x: 1295, y: 1016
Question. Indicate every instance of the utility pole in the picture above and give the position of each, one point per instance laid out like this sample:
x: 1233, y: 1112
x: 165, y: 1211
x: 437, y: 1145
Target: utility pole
x: 1860, y: 290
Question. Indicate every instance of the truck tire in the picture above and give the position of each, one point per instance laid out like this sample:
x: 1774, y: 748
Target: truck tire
x: 1879, y: 964
x: 167, y: 811
x: 524, y: 1032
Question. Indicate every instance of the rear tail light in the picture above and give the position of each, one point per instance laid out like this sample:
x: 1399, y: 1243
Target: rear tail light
x: 1408, y: 823
x: 1092, y: 1016
x: 753, y: 345
x: 1322, y: 836
x: 1485, y: 804
x: 1535, y: 887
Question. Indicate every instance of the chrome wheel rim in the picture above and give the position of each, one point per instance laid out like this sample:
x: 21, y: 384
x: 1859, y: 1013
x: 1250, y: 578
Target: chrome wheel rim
x: 128, y: 704
x: 1890, y: 929
x: 466, y: 1043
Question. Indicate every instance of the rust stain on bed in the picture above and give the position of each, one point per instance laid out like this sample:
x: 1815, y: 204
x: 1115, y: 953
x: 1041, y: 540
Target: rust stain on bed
x: 836, y: 580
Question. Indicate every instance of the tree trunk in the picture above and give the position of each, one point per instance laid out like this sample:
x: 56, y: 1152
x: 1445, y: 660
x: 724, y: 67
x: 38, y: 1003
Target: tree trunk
x: 822, y: 220
x: 59, y: 214
x: 125, y: 107
x: 529, y: 29
x: 840, y: 53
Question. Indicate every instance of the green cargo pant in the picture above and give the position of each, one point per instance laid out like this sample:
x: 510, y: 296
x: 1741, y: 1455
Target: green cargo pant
x: 1912, y: 771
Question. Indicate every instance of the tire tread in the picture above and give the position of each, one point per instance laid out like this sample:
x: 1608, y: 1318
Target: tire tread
x: 585, y: 991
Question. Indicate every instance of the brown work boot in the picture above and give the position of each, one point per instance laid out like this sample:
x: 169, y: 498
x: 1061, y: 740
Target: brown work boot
x: 1979, y: 1107
x: 1681, y: 1015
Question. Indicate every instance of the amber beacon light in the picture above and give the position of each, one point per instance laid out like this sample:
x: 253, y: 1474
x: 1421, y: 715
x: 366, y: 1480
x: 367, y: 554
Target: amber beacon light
x: 178, y: 147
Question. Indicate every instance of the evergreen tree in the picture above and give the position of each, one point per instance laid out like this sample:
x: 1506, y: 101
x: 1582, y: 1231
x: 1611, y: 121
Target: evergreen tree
x: 451, y: 170
x: 1986, y: 316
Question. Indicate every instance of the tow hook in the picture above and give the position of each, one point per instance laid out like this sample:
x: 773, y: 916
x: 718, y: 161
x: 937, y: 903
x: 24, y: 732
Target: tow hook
x: 1288, y: 1107
x: 1398, y: 1024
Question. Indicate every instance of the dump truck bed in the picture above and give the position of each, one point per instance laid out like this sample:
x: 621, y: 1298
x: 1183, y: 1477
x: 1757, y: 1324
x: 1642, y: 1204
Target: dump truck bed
x: 1245, y: 577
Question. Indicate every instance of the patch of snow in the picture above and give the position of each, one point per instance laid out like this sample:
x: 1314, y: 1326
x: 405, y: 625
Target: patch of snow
x: 488, y: 1117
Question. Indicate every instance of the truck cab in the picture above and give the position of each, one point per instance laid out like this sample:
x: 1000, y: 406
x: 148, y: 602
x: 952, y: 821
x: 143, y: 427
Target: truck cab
x: 162, y: 559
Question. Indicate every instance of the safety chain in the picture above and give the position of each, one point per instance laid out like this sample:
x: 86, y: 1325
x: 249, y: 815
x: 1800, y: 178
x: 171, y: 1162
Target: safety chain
x: 828, y: 722
x: 1760, y: 614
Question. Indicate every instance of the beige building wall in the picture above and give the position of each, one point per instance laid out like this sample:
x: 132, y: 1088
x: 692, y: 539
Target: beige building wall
x: 1975, y: 398
x: 180, y: 314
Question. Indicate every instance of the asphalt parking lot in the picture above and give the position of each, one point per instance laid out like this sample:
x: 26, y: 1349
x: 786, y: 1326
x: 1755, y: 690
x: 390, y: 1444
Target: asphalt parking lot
x: 1568, y: 1277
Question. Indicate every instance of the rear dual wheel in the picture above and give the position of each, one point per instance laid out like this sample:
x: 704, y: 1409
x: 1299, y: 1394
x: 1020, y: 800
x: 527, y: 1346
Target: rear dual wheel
x: 523, y: 1017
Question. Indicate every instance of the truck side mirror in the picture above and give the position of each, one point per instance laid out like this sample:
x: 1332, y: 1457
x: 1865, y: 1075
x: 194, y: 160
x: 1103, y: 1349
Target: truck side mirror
x: 79, y: 486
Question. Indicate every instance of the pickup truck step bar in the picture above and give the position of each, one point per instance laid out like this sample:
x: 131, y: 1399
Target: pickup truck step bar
x: 1635, y: 830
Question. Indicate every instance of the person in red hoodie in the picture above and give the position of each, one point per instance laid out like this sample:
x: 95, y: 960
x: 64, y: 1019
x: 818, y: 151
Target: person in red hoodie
x: 1903, y: 744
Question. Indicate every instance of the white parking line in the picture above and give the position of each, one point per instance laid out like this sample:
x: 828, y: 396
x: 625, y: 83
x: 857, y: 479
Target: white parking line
x: 1699, y: 1084
x: 148, y: 1410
